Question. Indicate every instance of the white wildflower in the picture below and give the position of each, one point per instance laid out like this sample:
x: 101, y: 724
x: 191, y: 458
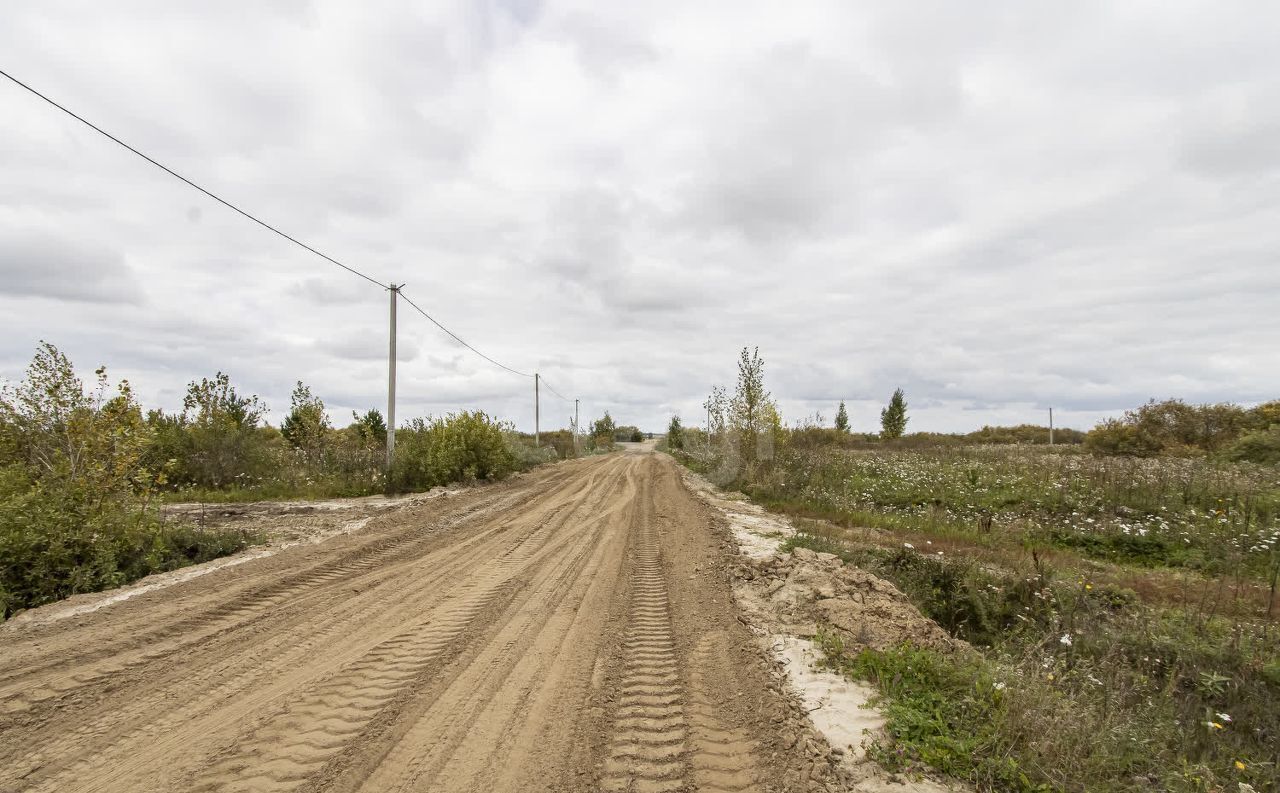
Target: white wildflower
x: 1065, y: 640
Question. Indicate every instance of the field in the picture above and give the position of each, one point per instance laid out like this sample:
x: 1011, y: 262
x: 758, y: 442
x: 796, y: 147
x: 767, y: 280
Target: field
x: 1122, y: 610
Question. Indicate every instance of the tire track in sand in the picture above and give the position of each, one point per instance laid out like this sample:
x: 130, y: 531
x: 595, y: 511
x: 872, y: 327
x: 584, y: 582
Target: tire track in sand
x: 646, y: 752
x: 722, y: 760
x: 293, y: 746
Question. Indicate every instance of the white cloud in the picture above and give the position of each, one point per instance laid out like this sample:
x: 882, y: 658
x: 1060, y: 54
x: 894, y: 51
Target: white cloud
x: 996, y: 207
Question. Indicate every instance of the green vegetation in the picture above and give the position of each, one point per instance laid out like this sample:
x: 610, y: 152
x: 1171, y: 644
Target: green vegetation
x: 1120, y: 604
x: 893, y: 419
x: 842, y: 418
x: 675, y: 434
x: 1196, y: 513
x: 81, y: 473
x: 603, y: 432
x: 1075, y: 682
x: 75, y: 491
x: 1175, y: 428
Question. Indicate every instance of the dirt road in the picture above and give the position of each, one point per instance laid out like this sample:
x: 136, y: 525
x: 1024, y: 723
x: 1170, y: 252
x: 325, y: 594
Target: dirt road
x: 571, y: 630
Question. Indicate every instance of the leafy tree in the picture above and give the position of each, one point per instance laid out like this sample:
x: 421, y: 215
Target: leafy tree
x: 371, y: 427
x: 602, y: 429
x: 66, y: 438
x: 842, y: 418
x: 1266, y: 414
x: 307, y: 424
x: 893, y: 419
x: 225, y: 444
x: 675, y: 434
x: 752, y: 411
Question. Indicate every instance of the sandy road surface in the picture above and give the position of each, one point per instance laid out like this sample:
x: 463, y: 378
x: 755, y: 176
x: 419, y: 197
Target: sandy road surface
x: 571, y: 630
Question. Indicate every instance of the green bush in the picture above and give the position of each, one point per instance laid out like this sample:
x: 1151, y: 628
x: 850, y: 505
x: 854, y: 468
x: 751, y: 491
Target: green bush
x: 1262, y: 446
x: 465, y: 446
x: 74, y: 490
x: 55, y: 544
x: 1174, y: 427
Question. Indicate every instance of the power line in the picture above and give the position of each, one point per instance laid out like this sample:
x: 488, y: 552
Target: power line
x: 455, y: 337
x: 553, y: 390
x: 264, y: 224
x: 179, y: 176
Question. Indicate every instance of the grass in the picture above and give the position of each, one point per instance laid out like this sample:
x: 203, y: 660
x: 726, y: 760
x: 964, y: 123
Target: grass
x: 1122, y: 612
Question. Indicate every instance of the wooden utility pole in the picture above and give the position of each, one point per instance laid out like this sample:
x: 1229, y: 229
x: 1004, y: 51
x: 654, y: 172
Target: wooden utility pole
x: 1050, y: 426
x: 535, y: 409
x: 575, y: 428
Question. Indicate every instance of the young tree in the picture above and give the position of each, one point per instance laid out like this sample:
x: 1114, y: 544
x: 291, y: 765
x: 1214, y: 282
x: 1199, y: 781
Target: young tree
x: 675, y: 434
x: 842, y: 418
x: 87, y: 446
x: 893, y: 419
x: 307, y: 424
x: 602, y: 430
x: 716, y: 407
x: 371, y: 427
x: 223, y: 428
x: 752, y: 411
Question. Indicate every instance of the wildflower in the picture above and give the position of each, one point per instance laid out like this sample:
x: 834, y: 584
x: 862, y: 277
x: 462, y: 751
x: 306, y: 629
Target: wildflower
x: 1088, y: 587
x: 908, y: 545
x: 1065, y: 640
x: 1000, y: 686
x: 1239, y: 766
x: 1050, y: 677
x: 1213, y: 725
x: 1224, y: 717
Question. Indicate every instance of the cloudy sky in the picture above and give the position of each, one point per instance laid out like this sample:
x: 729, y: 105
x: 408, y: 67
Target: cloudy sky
x: 998, y: 206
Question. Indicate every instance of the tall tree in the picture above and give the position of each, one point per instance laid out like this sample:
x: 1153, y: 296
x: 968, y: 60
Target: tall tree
x: 752, y: 411
x: 842, y: 418
x: 675, y: 434
x: 893, y: 419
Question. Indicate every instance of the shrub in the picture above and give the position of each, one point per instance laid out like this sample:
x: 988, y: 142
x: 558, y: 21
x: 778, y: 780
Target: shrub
x: 463, y: 446
x: 1172, y: 427
x: 1261, y: 446
x: 74, y: 491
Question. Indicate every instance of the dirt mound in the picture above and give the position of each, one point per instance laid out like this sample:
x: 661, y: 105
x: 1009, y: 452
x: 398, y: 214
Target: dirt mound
x: 797, y: 592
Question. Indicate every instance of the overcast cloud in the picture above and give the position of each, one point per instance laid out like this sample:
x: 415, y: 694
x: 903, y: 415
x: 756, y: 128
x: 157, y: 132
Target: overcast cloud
x: 998, y: 206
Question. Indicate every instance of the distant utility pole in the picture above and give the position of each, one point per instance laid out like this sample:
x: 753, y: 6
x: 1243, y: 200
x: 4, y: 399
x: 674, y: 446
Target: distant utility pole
x: 391, y: 380
x: 535, y: 409
x: 1050, y: 426
x: 575, y: 428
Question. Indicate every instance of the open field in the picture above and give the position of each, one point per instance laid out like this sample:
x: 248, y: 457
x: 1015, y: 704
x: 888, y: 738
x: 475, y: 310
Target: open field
x: 1124, y: 610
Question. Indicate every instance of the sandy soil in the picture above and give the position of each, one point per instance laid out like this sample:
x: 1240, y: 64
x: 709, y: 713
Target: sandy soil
x: 570, y: 630
x: 784, y: 598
